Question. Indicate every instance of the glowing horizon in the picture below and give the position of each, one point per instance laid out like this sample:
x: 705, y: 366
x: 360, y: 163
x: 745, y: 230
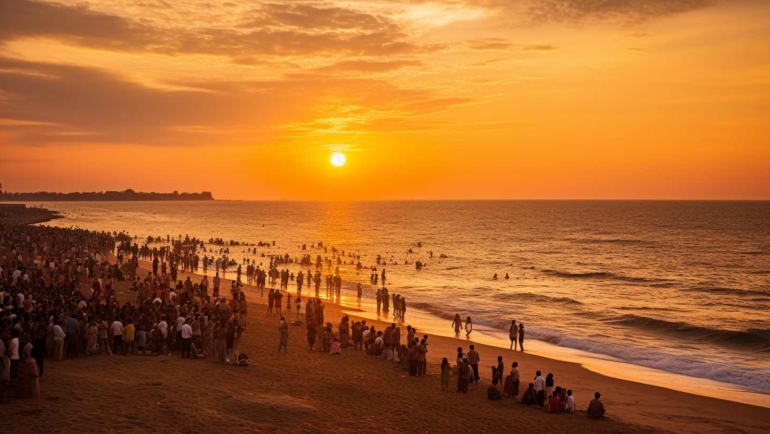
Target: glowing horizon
x: 551, y: 99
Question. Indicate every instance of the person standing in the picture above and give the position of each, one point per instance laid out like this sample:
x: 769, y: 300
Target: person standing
x: 129, y: 332
x: 457, y: 325
x: 71, y: 328
x: 187, y: 335
x: 513, y: 334
x: 473, y: 360
x: 283, y: 330
x: 540, y: 388
x: 464, y: 375
x: 216, y: 281
x: 59, y: 336
x: 422, y: 363
x: 521, y: 337
x: 117, y: 337
x: 13, y: 353
x: 468, y: 328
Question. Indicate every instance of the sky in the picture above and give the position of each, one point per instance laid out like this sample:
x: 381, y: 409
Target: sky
x: 456, y: 99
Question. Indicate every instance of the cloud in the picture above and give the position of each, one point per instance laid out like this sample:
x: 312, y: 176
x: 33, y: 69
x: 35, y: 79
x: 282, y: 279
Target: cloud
x: 538, y: 47
x: 23, y: 18
x: 111, y: 110
x: 370, y: 66
x: 488, y: 44
x: 272, y: 29
x: 623, y: 10
x: 71, y: 104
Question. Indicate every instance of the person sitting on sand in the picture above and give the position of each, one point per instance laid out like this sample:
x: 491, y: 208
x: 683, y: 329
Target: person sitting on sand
x: 196, y: 349
x: 335, y: 350
x: 530, y: 395
x: 554, y: 403
x: 492, y: 393
x: 596, y: 407
x: 570, y: 406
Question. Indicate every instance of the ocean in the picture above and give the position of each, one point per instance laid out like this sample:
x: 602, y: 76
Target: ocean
x: 680, y: 287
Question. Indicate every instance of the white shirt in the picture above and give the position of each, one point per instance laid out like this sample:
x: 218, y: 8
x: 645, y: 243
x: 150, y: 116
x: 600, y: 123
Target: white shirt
x: 570, y: 404
x: 13, y: 349
x: 163, y: 328
x: 58, y: 333
x: 186, y: 331
x: 179, y: 323
x: 117, y: 328
x: 539, y: 383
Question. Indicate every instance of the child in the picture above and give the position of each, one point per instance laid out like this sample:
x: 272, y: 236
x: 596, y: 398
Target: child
x: 445, y: 372
x: 336, y: 350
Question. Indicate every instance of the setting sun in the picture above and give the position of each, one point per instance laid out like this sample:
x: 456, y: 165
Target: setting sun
x: 338, y: 159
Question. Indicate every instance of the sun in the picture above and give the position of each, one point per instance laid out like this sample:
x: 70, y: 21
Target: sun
x: 338, y: 159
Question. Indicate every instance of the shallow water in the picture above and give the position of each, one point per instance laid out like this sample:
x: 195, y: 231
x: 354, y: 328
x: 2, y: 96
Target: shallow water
x: 682, y: 287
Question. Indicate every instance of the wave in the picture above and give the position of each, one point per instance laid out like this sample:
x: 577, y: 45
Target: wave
x: 756, y: 379
x: 608, y: 276
x: 749, y: 340
x: 730, y: 291
x: 528, y: 296
x: 434, y: 310
x: 620, y: 241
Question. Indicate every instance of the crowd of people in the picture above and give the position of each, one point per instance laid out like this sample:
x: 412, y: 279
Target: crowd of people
x: 58, y: 301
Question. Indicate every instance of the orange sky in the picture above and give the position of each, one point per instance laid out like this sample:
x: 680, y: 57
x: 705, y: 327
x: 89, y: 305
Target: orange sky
x: 474, y: 99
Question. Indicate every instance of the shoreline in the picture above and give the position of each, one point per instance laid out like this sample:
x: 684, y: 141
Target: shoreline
x: 597, y: 363
x: 632, y: 402
x: 14, y: 213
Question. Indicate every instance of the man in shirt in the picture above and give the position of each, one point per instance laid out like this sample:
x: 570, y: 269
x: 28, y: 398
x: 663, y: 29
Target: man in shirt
x: 13, y: 353
x: 71, y: 328
x: 129, y: 333
x: 58, y: 336
x: 186, y: 334
x: 163, y: 328
x: 117, y: 337
x: 179, y: 323
x: 540, y: 388
x: 554, y: 403
x: 596, y: 407
x: 474, y: 359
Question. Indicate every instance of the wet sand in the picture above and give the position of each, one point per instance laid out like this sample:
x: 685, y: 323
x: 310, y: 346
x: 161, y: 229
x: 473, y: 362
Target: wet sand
x: 306, y: 391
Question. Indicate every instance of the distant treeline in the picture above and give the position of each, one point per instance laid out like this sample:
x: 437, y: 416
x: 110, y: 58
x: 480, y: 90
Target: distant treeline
x: 128, y: 195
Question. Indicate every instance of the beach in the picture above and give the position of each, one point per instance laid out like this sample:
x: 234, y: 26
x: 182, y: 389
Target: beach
x: 655, y: 292
x: 306, y: 391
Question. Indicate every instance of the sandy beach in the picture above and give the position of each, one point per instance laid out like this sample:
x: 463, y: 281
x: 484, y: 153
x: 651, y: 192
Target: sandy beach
x: 306, y: 391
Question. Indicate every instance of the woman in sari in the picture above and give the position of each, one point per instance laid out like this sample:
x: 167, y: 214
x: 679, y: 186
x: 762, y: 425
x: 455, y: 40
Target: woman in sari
x: 92, y: 339
x: 28, y: 385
